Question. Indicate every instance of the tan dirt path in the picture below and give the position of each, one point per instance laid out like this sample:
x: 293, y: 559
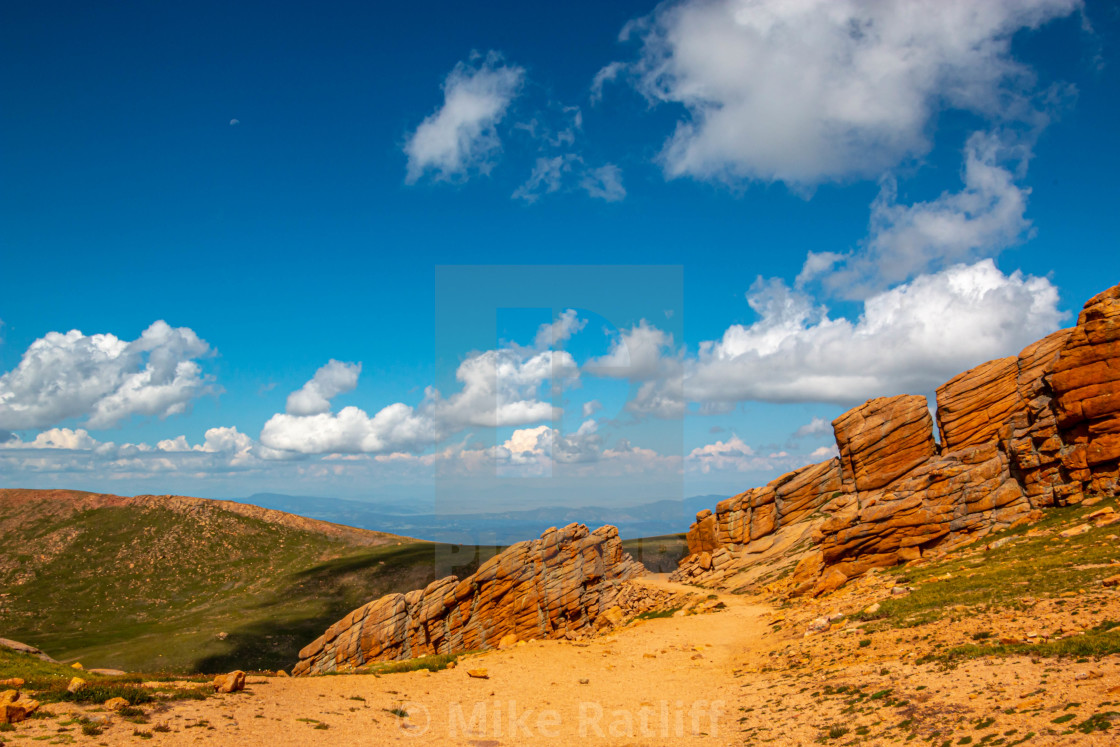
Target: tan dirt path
x: 658, y: 682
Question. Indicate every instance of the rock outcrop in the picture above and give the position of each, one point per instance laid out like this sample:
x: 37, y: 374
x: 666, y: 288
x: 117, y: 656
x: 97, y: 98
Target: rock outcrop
x: 974, y: 406
x: 1017, y: 435
x: 555, y: 586
x: 24, y: 648
x: 884, y: 439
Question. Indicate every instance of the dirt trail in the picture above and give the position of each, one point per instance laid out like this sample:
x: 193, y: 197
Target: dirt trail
x: 744, y: 674
x: 661, y: 681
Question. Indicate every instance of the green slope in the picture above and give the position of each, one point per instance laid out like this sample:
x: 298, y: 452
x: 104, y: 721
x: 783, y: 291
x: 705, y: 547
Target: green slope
x: 142, y: 587
x: 659, y: 554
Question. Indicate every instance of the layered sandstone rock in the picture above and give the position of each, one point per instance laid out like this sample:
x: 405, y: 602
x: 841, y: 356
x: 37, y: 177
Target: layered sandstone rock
x: 703, y: 537
x: 954, y: 494
x: 1017, y: 434
x: 1031, y: 435
x: 1086, y: 386
x: 758, y: 512
x: 884, y: 439
x: 974, y: 406
x: 744, y: 525
x: 551, y: 587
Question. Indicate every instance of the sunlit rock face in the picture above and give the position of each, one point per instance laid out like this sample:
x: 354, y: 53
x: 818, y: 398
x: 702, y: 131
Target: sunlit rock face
x: 551, y: 587
x: 1017, y: 435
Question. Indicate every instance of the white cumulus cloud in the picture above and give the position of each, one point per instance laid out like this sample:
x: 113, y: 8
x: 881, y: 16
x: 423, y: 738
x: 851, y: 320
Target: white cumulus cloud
x: 824, y: 452
x: 501, y: 387
x: 636, y: 353
x: 910, y: 338
x: 732, y: 453
x: 55, y: 438
x: 818, y: 90
x: 987, y: 215
x: 61, y: 451
x: 351, y: 430
x: 331, y: 380
x: 461, y: 135
x: 104, y: 379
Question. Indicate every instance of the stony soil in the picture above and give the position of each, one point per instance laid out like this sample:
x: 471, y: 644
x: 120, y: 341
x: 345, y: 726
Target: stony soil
x: 744, y: 674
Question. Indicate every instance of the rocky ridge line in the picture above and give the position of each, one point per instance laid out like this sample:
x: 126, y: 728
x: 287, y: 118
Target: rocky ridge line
x: 559, y: 585
x: 16, y: 502
x: 1018, y: 434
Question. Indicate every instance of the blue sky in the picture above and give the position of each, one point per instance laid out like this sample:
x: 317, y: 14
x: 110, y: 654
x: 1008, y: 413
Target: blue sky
x: 761, y: 214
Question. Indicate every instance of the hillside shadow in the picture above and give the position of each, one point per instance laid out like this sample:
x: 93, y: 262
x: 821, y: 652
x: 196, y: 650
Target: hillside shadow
x: 660, y: 554
x: 318, y: 596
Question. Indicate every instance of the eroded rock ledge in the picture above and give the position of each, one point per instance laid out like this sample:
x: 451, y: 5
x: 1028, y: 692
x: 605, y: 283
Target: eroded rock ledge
x: 1018, y: 434
x: 552, y: 587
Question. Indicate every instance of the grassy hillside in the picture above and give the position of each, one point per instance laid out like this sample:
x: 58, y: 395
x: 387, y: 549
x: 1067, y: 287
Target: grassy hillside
x: 177, y: 584
x: 658, y: 554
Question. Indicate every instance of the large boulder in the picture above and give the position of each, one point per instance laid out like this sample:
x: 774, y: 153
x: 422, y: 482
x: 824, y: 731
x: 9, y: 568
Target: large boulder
x: 230, y: 683
x: 15, y: 708
x: 883, y: 439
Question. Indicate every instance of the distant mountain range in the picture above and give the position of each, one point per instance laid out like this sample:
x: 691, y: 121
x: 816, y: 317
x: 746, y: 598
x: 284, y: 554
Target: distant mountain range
x: 645, y: 520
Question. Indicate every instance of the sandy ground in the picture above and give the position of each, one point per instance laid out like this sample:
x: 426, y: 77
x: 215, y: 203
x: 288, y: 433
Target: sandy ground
x: 725, y: 678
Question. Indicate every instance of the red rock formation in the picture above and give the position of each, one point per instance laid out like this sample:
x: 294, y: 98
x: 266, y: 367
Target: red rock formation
x: 758, y: 512
x: 974, y: 406
x: 703, y: 537
x: 550, y: 587
x: 1033, y: 442
x: 1017, y: 434
x: 884, y: 439
x: 745, y: 522
x: 958, y: 493
x: 1086, y: 386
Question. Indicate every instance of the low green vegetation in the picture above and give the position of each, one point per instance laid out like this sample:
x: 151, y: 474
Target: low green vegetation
x: 1093, y: 644
x: 1013, y: 575
x: 36, y: 672
x: 654, y: 614
x: 659, y: 554
x: 49, y: 681
x: 433, y: 663
x: 162, y: 590
x: 97, y: 692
